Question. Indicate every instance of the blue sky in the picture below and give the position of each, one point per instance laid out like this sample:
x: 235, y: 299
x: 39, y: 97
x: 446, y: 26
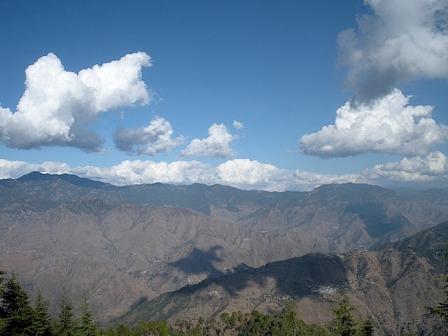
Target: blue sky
x: 271, y: 65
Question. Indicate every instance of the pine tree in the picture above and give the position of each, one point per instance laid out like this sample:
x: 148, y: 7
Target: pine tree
x: 87, y: 326
x: 123, y: 331
x: 343, y: 323
x: 65, y: 325
x: 42, y: 321
x: 367, y: 328
x: 289, y: 324
x: 15, y: 310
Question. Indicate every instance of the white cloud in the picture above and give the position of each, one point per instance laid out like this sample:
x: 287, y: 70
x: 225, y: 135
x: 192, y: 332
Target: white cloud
x: 251, y: 174
x: 14, y: 169
x: 388, y: 124
x: 237, y: 124
x: 57, y: 104
x: 240, y: 173
x: 305, y: 180
x: 247, y: 174
x: 216, y: 144
x: 413, y: 169
x: 402, y: 40
x: 155, y: 138
x: 142, y: 171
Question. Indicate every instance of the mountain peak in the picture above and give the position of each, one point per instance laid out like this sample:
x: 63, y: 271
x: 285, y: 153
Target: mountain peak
x: 35, y: 176
x: 69, y: 178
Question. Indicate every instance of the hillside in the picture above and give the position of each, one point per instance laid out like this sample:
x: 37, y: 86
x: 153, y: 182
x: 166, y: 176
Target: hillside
x: 394, y: 284
x: 114, y: 245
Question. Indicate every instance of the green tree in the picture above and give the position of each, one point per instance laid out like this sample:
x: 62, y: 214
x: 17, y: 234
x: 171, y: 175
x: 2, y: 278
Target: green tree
x: 367, y: 328
x: 287, y: 323
x: 123, y: 331
x: 87, y: 326
x: 343, y: 323
x: 153, y: 328
x: 41, y: 321
x: 65, y: 324
x: 256, y: 324
x: 15, y: 310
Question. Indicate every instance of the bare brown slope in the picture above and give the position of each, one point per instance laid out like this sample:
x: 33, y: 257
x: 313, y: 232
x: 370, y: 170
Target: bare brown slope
x: 394, y: 284
x: 113, y: 256
x: 114, y: 245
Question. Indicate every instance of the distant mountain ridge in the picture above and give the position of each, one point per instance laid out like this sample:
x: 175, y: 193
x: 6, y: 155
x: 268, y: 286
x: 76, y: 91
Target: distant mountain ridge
x: 70, y: 178
x: 195, y: 196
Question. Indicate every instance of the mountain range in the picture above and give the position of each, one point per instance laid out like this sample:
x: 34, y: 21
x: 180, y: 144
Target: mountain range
x: 123, y: 246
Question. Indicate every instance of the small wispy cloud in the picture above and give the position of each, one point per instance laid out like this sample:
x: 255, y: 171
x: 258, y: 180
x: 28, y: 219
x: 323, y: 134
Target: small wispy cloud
x: 237, y: 124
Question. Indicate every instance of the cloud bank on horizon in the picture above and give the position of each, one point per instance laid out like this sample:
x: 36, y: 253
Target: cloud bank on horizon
x: 239, y: 173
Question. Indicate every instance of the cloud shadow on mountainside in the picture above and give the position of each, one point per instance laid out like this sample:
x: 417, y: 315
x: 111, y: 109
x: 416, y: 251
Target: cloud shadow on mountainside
x: 201, y: 262
x: 296, y: 277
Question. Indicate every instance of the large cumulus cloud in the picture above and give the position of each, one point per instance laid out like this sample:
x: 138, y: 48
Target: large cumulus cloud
x: 430, y: 167
x: 400, y: 41
x: 57, y: 104
x: 388, y: 124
